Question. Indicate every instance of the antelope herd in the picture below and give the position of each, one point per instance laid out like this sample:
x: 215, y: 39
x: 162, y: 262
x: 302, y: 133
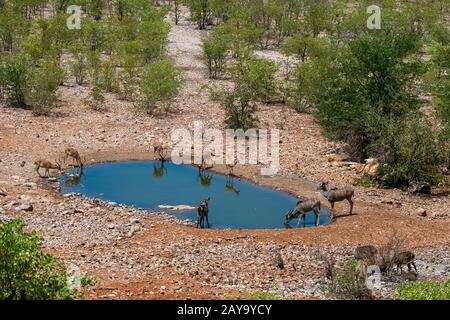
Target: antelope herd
x: 48, y: 165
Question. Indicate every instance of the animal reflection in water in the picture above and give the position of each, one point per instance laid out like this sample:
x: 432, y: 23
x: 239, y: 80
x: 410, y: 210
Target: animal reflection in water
x: 75, y: 179
x: 159, y: 169
x: 230, y: 185
x: 205, y: 177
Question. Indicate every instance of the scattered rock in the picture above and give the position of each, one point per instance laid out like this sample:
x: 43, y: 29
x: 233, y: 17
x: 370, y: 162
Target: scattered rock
x: 421, y: 212
x: 177, y: 208
x: 24, y: 207
x: 337, y: 158
x: 111, y: 226
x: 29, y: 184
x: 3, y: 192
x: 421, y: 187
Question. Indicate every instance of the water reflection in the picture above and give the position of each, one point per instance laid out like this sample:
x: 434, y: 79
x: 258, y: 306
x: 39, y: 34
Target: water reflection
x: 230, y: 185
x: 235, y: 202
x: 159, y: 169
x: 205, y: 177
x: 74, y: 179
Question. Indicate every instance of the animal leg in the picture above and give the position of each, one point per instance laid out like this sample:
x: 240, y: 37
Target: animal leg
x: 351, y: 206
x: 317, y: 213
x: 332, y: 205
x: 401, y: 268
x: 414, y: 265
x: 207, y: 221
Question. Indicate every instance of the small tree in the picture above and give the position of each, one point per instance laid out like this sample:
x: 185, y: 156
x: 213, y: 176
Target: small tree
x: 215, y: 51
x: 15, y: 75
x: 160, y: 81
x: 25, y: 271
x: 349, y: 284
x: 42, y: 95
x: 240, y: 108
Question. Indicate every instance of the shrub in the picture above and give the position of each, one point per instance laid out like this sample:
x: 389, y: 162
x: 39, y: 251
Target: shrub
x: 79, y: 65
x: 96, y: 99
x: 261, y: 76
x: 44, y: 85
x: 423, y: 290
x: 160, y: 81
x: 349, y: 284
x: 414, y: 150
x: 366, y: 94
x: 15, y: 75
x: 239, y: 108
x: 215, y: 51
x: 25, y: 271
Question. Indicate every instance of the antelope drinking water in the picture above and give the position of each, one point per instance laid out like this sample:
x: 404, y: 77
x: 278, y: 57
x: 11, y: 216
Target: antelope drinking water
x: 304, y: 206
x: 47, y: 165
x: 74, y: 154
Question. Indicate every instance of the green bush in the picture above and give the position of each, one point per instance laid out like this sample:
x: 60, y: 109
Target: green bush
x: 239, y: 108
x: 349, y: 284
x: 15, y: 75
x: 160, y: 81
x: 414, y: 150
x: 423, y: 290
x: 25, y: 271
x: 366, y: 94
x: 45, y: 81
x: 258, y: 74
x: 215, y: 51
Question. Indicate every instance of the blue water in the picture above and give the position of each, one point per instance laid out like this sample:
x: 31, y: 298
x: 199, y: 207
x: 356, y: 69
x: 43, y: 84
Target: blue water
x: 146, y: 185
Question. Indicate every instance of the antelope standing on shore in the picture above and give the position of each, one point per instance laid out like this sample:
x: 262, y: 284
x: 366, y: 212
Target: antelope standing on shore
x: 203, y: 211
x: 338, y: 195
x: 160, y: 151
x: 47, y: 165
x: 74, y: 154
x: 304, y: 206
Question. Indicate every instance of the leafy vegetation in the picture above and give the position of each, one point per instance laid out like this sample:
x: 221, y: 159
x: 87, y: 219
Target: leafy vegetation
x: 115, y: 44
x: 423, y: 290
x: 363, y: 86
x: 349, y: 284
x: 159, y: 81
x: 25, y: 271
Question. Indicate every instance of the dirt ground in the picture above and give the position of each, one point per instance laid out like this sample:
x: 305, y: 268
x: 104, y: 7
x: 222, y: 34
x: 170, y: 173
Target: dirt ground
x: 140, y: 255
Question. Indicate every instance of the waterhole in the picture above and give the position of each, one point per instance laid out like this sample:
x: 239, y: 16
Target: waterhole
x: 149, y: 185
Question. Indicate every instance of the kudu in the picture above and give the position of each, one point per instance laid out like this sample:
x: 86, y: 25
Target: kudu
x: 202, y: 213
x: 160, y: 150
x: 304, y: 206
x: 402, y: 258
x: 47, y: 165
x: 75, y: 155
x: 338, y: 195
